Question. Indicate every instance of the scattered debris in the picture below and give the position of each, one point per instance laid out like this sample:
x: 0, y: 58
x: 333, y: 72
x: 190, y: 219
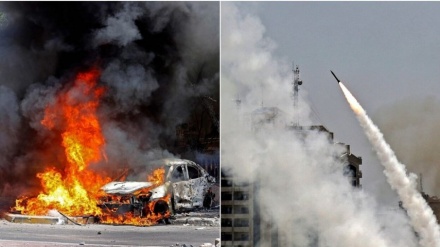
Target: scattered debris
x: 18, y: 218
x: 69, y: 219
x: 216, y: 244
x: 207, y: 245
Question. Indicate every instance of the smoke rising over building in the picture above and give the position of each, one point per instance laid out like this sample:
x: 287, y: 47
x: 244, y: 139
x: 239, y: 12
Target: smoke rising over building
x: 243, y: 221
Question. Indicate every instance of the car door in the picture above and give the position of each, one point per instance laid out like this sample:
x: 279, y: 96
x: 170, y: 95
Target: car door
x: 198, y: 183
x: 181, y: 188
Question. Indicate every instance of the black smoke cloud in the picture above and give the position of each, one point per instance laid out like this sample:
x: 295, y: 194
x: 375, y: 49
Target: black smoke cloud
x: 159, y: 62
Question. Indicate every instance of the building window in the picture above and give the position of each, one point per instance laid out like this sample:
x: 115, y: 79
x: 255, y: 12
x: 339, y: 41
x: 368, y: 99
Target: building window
x: 226, y: 209
x: 226, y: 196
x: 226, y: 222
x: 241, y: 196
x: 226, y: 236
x: 241, y: 222
x: 241, y: 210
x: 241, y: 236
x: 226, y: 183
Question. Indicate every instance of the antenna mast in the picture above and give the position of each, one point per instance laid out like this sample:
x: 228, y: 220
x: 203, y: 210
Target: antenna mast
x: 296, y: 82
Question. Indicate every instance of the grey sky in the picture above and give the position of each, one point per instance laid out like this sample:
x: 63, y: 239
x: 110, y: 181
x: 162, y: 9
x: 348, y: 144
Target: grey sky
x: 383, y: 52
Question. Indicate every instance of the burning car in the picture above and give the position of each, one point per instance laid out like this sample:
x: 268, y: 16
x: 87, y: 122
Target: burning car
x: 177, y: 185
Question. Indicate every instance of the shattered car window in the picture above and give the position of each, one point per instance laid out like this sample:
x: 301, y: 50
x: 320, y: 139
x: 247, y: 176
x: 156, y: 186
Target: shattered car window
x: 193, y: 172
x: 178, y: 174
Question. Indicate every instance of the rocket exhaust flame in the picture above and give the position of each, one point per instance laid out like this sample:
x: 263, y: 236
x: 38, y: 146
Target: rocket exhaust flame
x: 421, y: 216
x: 354, y: 104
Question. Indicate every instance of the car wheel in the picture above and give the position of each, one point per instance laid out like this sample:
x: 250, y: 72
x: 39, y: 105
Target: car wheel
x: 160, y: 207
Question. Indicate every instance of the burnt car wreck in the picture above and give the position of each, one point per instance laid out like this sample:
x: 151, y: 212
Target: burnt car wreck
x: 178, y: 185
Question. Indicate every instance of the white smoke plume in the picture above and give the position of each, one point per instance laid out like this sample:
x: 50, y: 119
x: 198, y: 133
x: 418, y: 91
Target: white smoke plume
x: 421, y: 215
x: 300, y: 189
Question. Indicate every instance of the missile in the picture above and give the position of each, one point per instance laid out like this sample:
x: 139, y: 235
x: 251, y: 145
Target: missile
x: 335, y: 77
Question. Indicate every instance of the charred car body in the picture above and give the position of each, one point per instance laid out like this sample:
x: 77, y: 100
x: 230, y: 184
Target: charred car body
x: 185, y: 186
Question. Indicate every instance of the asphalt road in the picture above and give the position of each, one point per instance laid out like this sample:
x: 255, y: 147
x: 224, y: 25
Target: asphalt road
x: 38, y: 235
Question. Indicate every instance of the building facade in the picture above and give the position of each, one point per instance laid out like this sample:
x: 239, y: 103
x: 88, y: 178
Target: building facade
x: 237, y: 212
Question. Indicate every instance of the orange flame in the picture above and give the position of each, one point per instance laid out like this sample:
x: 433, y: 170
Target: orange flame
x: 149, y: 215
x: 157, y: 177
x: 130, y: 219
x: 75, y: 191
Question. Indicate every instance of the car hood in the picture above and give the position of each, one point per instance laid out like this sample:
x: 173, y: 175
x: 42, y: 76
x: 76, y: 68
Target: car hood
x: 124, y: 188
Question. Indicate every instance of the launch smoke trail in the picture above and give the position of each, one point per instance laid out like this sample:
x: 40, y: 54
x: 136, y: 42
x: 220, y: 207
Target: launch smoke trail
x: 421, y: 216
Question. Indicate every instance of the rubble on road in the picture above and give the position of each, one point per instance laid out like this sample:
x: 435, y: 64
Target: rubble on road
x: 203, y: 217
x: 216, y: 244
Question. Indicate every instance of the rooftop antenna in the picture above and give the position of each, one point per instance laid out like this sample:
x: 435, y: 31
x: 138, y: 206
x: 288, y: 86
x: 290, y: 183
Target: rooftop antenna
x: 296, y: 82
